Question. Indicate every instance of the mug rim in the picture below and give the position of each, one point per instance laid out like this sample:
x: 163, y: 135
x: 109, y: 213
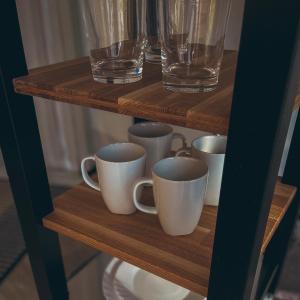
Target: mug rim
x: 181, y: 158
x: 209, y: 136
x: 97, y: 154
x: 150, y: 123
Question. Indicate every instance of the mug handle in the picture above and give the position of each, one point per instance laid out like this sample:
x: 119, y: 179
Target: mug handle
x: 180, y: 136
x: 186, y: 151
x: 144, y: 208
x: 86, y: 177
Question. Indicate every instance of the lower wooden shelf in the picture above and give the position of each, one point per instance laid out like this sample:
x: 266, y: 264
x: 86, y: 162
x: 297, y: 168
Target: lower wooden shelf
x: 80, y: 213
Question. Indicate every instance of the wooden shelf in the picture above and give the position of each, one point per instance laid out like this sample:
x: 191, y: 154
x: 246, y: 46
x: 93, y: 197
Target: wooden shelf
x: 138, y: 238
x: 72, y: 82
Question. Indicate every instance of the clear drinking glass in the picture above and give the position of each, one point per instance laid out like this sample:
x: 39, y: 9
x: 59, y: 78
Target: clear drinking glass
x: 117, y: 37
x: 152, y: 50
x: 192, y: 43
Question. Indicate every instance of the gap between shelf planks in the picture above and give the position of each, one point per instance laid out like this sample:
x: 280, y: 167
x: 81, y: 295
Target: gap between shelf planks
x: 72, y: 82
x: 80, y: 213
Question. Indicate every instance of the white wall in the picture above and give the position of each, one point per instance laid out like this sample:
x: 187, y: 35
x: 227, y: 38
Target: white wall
x: 87, y: 284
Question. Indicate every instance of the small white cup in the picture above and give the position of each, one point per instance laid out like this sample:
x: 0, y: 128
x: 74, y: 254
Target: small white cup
x: 179, y: 186
x: 156, y: 138
x: 118, y: 166
x: 211, y: 149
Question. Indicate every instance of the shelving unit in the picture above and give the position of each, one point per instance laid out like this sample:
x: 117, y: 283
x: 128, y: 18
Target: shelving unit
x: 257, y: 210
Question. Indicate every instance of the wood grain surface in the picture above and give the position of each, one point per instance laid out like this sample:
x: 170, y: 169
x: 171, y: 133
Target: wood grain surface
x: 72, y: 82
x: 80, y: 213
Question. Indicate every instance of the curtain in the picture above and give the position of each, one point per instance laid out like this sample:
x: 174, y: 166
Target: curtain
x: 53, y: 31
x: 49, y: 32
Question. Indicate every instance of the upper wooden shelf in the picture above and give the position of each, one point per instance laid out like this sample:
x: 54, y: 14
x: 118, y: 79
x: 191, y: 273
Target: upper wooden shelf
x: 138, y: 238
x: 72, y: 82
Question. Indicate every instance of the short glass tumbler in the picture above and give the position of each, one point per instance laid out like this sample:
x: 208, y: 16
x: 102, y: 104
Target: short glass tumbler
x: 192, y: 43
x: 117, y: 36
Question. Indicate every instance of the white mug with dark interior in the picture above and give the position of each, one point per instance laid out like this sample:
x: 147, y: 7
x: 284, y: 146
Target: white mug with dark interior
x: 179, y: 186
x: 156, y: 138
x: 211, y: 149
x: 118, y: 167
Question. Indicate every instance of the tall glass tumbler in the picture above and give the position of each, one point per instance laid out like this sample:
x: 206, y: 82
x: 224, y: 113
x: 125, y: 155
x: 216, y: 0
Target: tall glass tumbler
x: 152, y: 50
x: 117, y: 37
x: 192, y: 43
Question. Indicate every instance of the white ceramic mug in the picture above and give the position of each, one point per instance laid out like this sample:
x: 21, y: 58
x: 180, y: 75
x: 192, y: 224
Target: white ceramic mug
x: 211, y: 149
x: 179, y: 186
x: 156, y: 138
x: 118, y: 167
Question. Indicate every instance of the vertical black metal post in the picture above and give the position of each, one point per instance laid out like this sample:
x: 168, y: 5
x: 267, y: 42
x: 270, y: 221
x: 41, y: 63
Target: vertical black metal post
x: 22, y: 152
x: 265, y: 89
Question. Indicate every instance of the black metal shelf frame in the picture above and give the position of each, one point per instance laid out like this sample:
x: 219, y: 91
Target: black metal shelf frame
x: 265, y: 88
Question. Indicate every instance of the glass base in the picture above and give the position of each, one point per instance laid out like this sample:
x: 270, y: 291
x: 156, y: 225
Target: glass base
x: 117, y: 71
x: 190, y: 79
x: 117, y: 80
x: 188, y: 89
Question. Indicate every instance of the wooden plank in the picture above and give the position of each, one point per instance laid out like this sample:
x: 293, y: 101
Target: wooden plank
x: 138, y: 238
x: 212, y: 114
x: 283, y: 196
x: 72, y: 82
x: 155, y: 102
